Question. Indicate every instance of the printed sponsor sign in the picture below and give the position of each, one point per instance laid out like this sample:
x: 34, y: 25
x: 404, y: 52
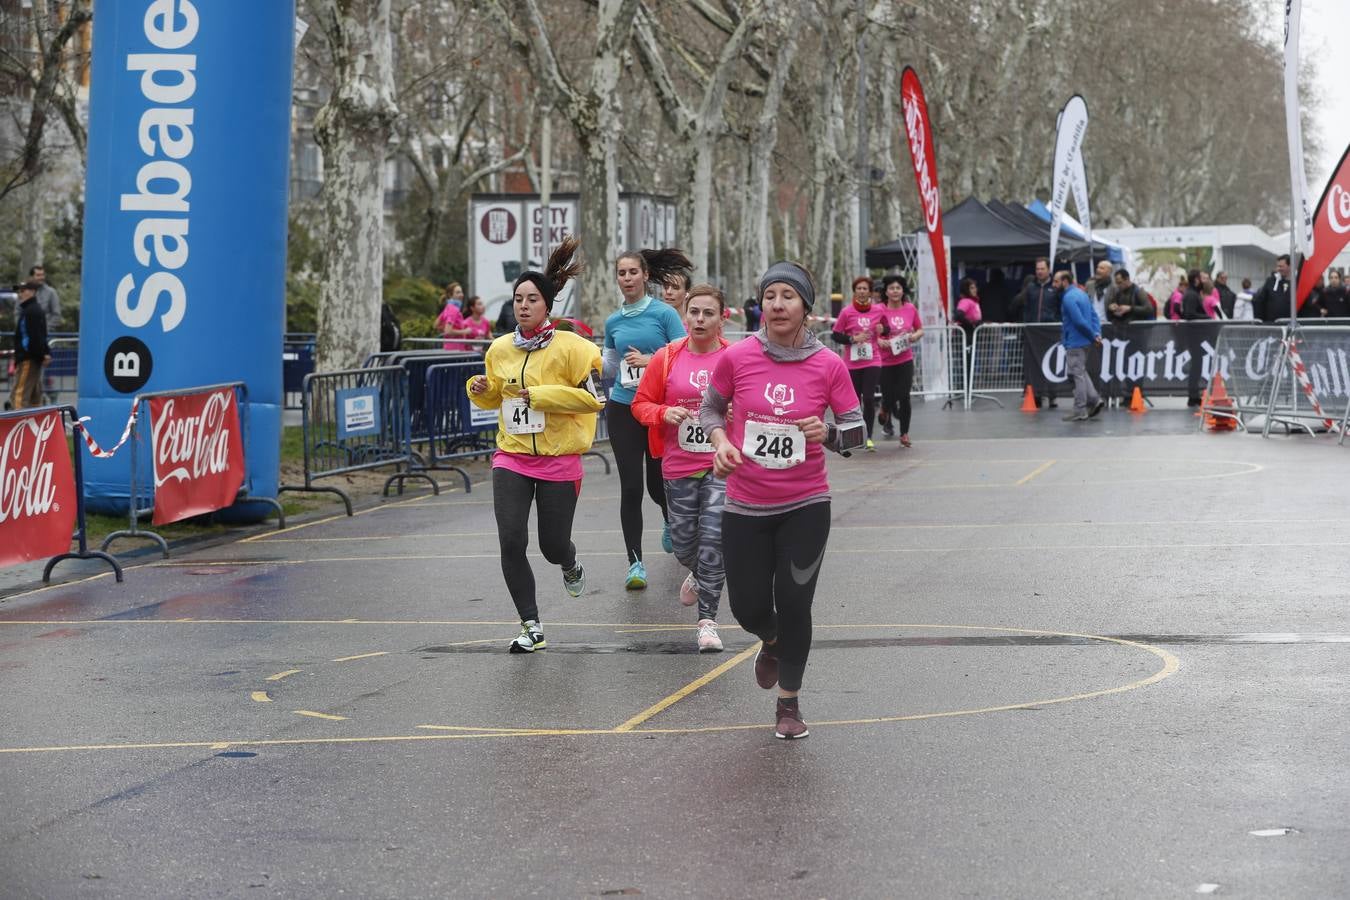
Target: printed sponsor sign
x: 198, y: 453
x: 1331, y: 228
x: 185, y: 222
x: 919, y: 131
x: 358, y: 411
x: 37, y: 489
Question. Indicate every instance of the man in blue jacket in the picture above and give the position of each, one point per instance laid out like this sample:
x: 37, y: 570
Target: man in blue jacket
x: 1080, y: 329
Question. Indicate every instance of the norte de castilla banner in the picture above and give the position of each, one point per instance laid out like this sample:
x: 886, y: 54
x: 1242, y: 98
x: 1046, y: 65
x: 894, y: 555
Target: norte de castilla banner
x: 1179, y: 358
x: 185, y: 218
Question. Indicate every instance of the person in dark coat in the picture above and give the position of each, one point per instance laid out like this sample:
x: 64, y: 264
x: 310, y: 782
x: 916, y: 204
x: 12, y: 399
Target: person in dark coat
x: 1334, y: 304
x: 31, y: 352
x: 1227, y: 298
x: 1272, y: 300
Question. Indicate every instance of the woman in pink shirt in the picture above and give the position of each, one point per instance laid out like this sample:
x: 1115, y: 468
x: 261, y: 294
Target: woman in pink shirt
x: 451, y: 315
x: 1209, y: 296
x: 667, y: 402
x: 856, y: 329
x: 472, y: 325
x: 764, y: 413
x: 900, y: 330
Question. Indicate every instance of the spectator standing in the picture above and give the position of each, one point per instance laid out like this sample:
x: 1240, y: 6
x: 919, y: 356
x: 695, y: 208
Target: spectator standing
x: 752, y: 315
x: 1099, y: 287
x: 1173, y: 310
x: 1039, y: 302
x: 1080, y: 329
x: 31, y: 352
x: 968, y: 312
x: 1193, y: 310
x: 1242, y: 306
x: 473, y: 325
x: 1334, y: 305
x: 1209, y: 298
x: 1227, y: 299
x: 47, y: 298
x: 1128, y: 302
x: 1271, y: 302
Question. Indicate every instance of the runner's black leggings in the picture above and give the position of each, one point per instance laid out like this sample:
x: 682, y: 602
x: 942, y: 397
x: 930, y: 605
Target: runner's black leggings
x: 896, y: 383
x: 512, y: 494
x: 772, y: 563
x: 628, y: 440
x: 865, y: 384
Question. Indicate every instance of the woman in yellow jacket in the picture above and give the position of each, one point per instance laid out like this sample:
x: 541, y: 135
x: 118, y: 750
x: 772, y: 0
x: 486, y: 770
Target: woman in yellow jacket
x: 545, y: 385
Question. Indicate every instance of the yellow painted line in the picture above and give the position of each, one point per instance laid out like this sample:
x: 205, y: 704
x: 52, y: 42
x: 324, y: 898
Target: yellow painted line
x: 1039, y: 470
x: 52, y: 587
x: 260, y: 697
x: 281, y: 675
x: 687, y: 689
x: 361, y: 656
x: 1170, y: 666
x: 486, y: 730
x: 319, y: 715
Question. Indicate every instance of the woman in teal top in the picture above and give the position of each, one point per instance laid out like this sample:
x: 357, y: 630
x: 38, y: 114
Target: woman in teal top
x: 638, y: 329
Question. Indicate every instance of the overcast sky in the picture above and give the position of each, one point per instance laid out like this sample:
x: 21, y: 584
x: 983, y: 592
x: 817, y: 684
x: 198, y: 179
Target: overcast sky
x: 1326, y: 23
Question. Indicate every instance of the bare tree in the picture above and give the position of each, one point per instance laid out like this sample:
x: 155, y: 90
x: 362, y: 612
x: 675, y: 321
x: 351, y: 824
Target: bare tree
x: 592, y: 111
x: 353, y: 129
x: 696, y: 123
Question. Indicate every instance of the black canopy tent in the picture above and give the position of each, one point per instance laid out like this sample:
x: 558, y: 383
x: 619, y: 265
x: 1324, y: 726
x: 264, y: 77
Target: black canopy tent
x: 989, y: 235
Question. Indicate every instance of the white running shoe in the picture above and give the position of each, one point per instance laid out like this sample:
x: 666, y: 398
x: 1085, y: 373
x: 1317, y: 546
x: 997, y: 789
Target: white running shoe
x: 689, y: 590
x: 530, y: 639
x: 708, y: 641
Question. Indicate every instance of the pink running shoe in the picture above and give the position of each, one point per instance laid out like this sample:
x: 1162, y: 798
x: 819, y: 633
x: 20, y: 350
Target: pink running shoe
x: 689, y: 590
x: 708, y: 641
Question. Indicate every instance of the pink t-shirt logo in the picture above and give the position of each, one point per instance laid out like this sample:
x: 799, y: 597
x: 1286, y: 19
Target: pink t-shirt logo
x: 699, y: 379
x: 780, y: 397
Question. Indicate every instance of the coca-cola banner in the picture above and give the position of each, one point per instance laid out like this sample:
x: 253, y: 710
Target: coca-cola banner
x: 198, y: 453
x: 1159, y: 357
x: 1331, y: 228
x: 37, y: 488
x: 919, y: 137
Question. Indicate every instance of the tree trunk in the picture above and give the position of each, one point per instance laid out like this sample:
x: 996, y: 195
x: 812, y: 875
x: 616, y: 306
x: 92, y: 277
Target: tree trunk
x: 353, y: 129
x: 756, y: 234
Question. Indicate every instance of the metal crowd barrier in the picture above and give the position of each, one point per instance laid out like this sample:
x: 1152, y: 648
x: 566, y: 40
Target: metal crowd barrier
x: 955, y: 376
x: 1325, y: 355
x: 139, y: 493
x: 996, y: 361
x: 1250, y: 354
x: 357, y: 419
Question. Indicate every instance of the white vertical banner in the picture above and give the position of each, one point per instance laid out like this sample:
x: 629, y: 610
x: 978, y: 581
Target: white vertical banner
x: 935, y: 346
x: 1302, y: 224
x: 1080, y: 195
x: 1068, y: 171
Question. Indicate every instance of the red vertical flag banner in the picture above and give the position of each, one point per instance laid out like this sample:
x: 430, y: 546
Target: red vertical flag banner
x: 37, y: 489
x: 198, y: 452
x: 919, y: 133
x: 1331, y: 228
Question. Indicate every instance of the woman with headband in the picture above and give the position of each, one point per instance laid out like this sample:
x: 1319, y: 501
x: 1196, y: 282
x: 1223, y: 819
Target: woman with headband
x: 764, y: 412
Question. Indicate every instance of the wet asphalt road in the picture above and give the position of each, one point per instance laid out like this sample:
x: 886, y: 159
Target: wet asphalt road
x: 1073, y: 660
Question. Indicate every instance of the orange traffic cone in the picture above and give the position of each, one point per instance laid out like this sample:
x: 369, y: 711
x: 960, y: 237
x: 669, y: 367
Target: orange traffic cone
x: 1029, y: 401
x: 1220, y: 402
x: 1204, y: 402
x: 1137, y: 402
